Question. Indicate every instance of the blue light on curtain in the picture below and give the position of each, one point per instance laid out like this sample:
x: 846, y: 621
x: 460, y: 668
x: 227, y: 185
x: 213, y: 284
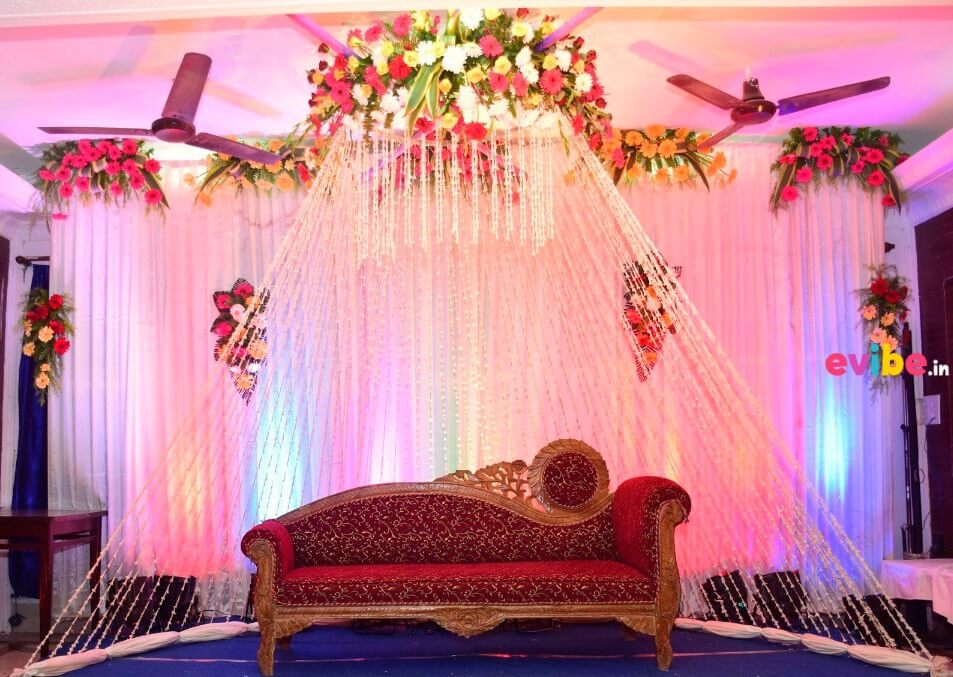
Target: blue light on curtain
x: 29, y: 480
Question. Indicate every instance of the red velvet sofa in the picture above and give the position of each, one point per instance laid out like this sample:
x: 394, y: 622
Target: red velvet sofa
x: 472, y: 549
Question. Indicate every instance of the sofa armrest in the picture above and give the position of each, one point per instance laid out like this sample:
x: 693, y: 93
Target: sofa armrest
x: 637, y: 509
x: 270, y: 534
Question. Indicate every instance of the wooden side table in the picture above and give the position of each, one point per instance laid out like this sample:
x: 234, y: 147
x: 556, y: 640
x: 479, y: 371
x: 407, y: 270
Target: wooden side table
x: 46, y: 531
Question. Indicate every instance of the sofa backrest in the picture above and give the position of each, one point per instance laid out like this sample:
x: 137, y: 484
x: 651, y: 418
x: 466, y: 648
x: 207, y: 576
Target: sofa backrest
x: 407, y: 525
x: 558, y: 508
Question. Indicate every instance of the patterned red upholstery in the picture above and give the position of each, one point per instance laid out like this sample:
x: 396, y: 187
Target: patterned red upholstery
x: 275, y: 533
x: 635, y: 509
x: 570, y: 479
x: 441, y: 528
x: 554, y: 582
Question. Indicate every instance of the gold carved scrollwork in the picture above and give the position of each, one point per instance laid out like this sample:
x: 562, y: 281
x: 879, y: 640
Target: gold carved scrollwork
x: 468, y: 622
x: 506, y: 478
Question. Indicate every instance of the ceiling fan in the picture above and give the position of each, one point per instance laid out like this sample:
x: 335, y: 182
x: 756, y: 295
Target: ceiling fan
x: 178, y: 114
x: 752, y: 108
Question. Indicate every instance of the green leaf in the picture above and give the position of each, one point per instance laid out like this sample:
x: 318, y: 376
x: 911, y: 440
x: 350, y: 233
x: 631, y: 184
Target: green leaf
x: 419, y: 90
x: 785, y: 179
x: 692, y: 159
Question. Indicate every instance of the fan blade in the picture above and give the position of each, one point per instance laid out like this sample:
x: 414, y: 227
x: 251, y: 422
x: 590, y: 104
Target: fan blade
x: 187, y: 87
x: 702, y: 90
x: 97, y: 131
x: 719, y: 137
x: 795, y: 103
x: 242, y: 151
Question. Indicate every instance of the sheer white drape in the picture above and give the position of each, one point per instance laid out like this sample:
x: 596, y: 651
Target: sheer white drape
x: 775, y: 291
x: 778, y: 294
x: 142, y: 286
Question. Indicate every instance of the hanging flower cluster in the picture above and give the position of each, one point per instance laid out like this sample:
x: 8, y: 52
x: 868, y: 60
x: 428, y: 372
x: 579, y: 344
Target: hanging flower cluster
x: 865, y: 155
x: 883, y: 310
x: 478, y: 73
x: 240, y: 331
x: 294, y: 169
x: 46, y: 332
x: 111, y: 170
x: 663, y: 155
x: 647, y: 318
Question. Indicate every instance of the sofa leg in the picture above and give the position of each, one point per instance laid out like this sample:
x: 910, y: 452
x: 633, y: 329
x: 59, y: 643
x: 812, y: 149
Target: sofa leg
x: 266, y: 650
x: 283, y: 642
x: 663, y: 648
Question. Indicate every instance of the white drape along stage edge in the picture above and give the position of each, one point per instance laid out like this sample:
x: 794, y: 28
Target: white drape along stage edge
x: 777, y: 293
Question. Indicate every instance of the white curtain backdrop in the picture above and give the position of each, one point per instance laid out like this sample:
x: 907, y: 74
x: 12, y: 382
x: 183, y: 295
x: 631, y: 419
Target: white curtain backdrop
x: 776, y: 291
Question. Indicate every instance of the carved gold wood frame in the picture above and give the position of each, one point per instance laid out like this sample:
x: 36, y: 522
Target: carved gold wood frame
x: 278, y: 623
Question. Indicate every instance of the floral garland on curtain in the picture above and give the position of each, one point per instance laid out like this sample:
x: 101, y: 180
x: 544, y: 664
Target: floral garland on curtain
x: 111, y: 170
x: 865, y: 155
x: 647, y: 318
x: 240, y: 327
x: 46, y: 331
x: 297, y: 164
x: 883, y: 311
x: 662, y: 154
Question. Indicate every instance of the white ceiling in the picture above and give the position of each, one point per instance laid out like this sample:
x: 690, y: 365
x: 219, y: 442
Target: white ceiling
x: 118, y: 72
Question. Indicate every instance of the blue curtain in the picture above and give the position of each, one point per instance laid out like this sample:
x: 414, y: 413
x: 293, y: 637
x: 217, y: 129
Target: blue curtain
x: 29, y: 480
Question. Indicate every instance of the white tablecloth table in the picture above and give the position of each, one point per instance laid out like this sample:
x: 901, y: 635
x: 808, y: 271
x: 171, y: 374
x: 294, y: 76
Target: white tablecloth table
x: 925, y: 579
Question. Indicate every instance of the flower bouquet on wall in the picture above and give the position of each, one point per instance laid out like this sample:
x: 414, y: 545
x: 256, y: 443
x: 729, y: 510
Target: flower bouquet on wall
x: 111, y: 170
x: 662, y: 154
x: 865, y: 155
x: 46, y: 332
x: 240, y: 328
x: 883, y: 311
x: 648, y: 320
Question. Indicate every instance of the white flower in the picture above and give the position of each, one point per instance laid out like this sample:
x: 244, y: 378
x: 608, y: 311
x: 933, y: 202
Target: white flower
x: 252, y: 368
x: 427, y: 53
x: 563, y: 58
x: 499, y: 109
x: 258, y: 322
x: 472, y: 49
x: 530, y: 73
x: 352, y: 124
x: 583, y: 83
x: 471, y: 18
x: 390, y: 103
x: 652, y: 303
x: 467, y: 99
x: 237, y: 312
x: 524, y: 57
x: 358, y: 94
x: 454, y: 58
x: 377, y: 54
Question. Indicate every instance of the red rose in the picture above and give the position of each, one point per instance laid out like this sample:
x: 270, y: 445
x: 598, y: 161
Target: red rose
x: 41, y: 311
x: 57, y: 326
x: 903, y: 292
x: 60, y: 346
x: 522, y: 13
x: 892, y: 296
x: 31, y: 316
x: 223, y: 301
x: 578, y: 123
x: 888, y: 201
x: 474, y: 131
x: 879, y: 286
x: 595, y: 141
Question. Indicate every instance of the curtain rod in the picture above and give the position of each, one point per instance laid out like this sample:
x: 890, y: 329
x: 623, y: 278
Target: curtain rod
x: 28, y: 261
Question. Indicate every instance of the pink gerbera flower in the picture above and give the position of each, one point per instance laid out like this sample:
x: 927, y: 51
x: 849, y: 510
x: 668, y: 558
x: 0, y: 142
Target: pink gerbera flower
x: 130, y: 146
x: 46, y: 175
x: 153, y: 196
x: 857, y: 167
x: 803, y: 175
x: 551, y: 81
x: 66, y: 191
x: 152, y: 166
x: 520, y: 85
x: 115, y: 188
x: 876, y: 178
x: 402, y: 25
x: 498, y: 82
x: 789, y: 194
x: 113, y: 168
x: 63, y: 173
x: 810, y: 134
x: 825, y: 162
x: 874, y: 156
x: 490, y: 46
x: 82, y: 183
x: 136, y: 181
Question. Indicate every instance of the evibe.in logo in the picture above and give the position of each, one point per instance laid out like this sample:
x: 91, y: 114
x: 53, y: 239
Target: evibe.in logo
x: 887, y: 364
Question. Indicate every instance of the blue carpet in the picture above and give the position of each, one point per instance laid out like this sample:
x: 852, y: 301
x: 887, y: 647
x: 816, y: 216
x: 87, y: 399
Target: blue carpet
x: 598, y: 649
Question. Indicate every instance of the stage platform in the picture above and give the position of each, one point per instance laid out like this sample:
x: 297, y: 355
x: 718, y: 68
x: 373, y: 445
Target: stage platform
x: 578, y: 649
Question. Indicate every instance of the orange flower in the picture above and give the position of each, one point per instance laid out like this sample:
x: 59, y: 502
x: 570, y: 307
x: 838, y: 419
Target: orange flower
x: 661, y: 175
x: 634, y: 138
x: 701, y: 138
x: 667, y: 148
x: 649, y: 150
x: 681, y: 133
x: 635, y: 172
x: 654, y: 131
x: 681, y: 173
